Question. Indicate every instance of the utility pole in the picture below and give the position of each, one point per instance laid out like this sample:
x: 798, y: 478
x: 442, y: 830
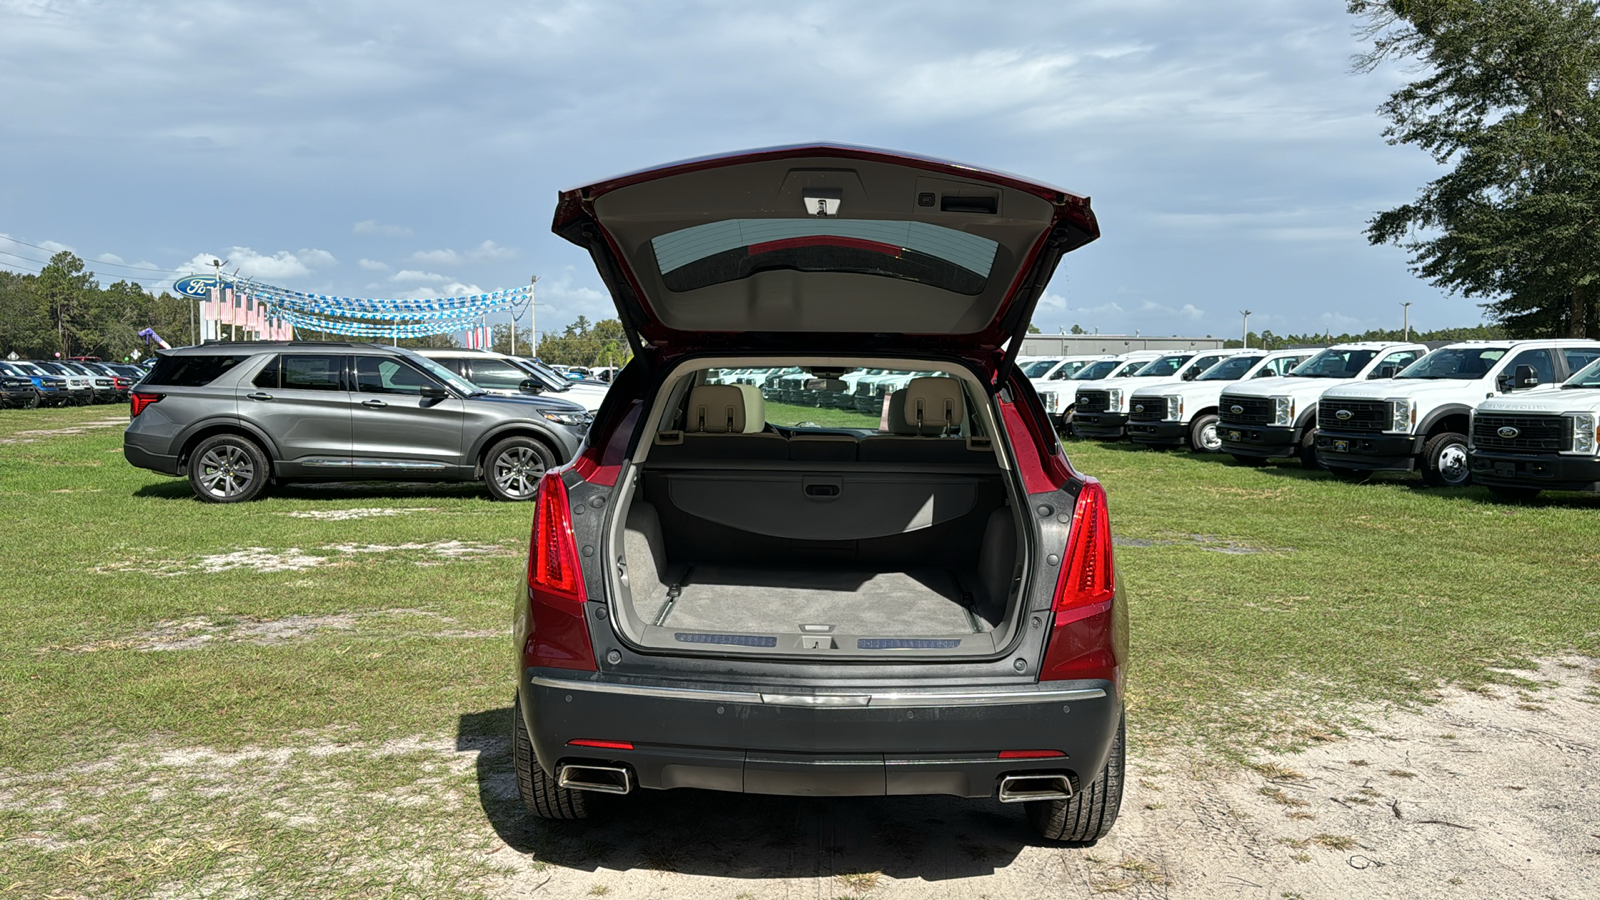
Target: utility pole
x: 1407, y: 306
x: 222, y: 296
x: 533, y: 319
x: 1246, y: 314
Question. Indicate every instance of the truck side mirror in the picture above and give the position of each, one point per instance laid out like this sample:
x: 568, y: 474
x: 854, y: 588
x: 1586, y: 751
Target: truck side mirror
x: 531, y: 386
x: 1191, y: 375
x: 1525, y: 377
x: 1388, y: 371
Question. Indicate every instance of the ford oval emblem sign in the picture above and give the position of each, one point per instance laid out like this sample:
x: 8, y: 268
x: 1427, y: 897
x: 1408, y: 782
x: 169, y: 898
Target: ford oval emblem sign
x: 1508, y: 432
x: 1236, y: 409
x: 1343, y: 415
x: 199, y: 285
x: 1139, y: 408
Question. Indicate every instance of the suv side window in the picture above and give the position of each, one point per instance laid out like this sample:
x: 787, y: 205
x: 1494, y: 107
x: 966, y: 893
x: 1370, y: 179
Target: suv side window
x: 497, y: 375
x: 382, y: 375
x: 1539, y: 359
x: 312, y: 373
x: 268, y: 376
x: 192, y: 371
x: 1578, y: 357
x: 1401, y: 358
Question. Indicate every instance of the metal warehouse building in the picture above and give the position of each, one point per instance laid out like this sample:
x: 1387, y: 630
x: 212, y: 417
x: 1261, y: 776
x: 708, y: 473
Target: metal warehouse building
x: 1087, y: 344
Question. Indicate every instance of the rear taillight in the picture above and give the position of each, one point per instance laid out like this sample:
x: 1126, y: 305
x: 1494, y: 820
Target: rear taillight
x: 1083, y: 637
x: 558, y: 635
x: 137, y: 402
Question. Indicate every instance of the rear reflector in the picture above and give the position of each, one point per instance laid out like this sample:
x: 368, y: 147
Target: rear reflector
x: 137, y: 402
x: 1030, y: 754
x: 603, y: 745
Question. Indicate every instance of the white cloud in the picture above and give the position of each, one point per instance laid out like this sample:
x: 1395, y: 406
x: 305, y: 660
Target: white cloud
x: 490, y: 250
x: 372, y: 265
x: 412, y: 276
x: 111, y: 258
x: 374, y: 227
x: 449, y: 289
x: 278, y: 267
x: 437, y: 257
x: 56, y: 246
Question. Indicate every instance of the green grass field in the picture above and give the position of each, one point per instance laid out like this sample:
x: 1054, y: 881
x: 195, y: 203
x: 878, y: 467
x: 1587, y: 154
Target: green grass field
x: 276, y: 694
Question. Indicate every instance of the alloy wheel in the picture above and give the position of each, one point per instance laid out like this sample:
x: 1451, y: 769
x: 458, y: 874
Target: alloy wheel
x: 517, y: 472
x: 226, y: 471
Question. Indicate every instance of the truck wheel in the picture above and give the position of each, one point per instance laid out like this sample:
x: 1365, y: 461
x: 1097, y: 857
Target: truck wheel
x: 1308, y: 450
x: 228, y: 468
x: 1203, y: 436
x: 1254, y: 462
x: 512, y: 468
x: 539, y: 791
x: 1087, y: 815
x: 1444, y: 460
x: 1513, y: 494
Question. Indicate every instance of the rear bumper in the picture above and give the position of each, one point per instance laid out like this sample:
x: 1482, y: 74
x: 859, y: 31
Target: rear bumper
x: 1545, y: 472
x: 1368, y: 451
x: 1257, y: 440
x: 1158, y: 432
x: 1099, y: 425
x: 744, y: 739
x: 144, y: 459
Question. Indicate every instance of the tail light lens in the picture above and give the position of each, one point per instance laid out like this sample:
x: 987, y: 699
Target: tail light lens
x: 1083, y: 639
x: 558, y: 634
x: 137, y: 402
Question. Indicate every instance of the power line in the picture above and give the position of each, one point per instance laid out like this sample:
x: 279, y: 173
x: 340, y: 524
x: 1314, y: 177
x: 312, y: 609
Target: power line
x: 98, y: 261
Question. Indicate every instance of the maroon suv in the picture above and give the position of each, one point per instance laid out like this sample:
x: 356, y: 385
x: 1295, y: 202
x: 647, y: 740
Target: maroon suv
x: 724, y: 594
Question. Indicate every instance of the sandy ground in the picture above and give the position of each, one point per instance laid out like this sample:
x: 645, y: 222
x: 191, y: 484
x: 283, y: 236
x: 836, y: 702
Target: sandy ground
x: 1479, y: 796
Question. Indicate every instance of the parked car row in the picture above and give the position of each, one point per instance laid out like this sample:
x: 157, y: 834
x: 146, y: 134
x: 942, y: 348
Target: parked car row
x: 1518, y: 416
x: 28, y: 384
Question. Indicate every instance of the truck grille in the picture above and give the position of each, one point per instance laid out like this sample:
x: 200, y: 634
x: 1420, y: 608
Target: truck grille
x: 1365, y: 415
x: 1255, y: 410
x: 1532, y: 434
x: 1155, y: 410
x: 1093, y: 401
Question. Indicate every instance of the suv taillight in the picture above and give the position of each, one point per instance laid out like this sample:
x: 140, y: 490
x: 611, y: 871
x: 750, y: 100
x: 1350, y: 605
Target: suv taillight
x: 1082, y: 638
x: 558, y: 635
x: 137, y: 402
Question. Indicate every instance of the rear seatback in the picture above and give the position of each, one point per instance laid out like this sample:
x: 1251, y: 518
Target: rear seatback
x: 924, y: 419
x: 723, y: 421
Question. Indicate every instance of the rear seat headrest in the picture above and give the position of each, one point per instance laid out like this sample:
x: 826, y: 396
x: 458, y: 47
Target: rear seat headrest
x: 927, y: 406
x: 725, y: 409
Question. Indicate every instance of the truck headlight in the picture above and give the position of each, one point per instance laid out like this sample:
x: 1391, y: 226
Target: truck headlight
x: 1584, y: 437
x: 1114, y: 400
x: 1283, y: 411
x: 1402, y: 415
x: 1051, y: 401
x: 1174, y: 408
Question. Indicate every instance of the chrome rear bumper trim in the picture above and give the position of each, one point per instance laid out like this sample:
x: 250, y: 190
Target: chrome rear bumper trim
x: 884, y: 700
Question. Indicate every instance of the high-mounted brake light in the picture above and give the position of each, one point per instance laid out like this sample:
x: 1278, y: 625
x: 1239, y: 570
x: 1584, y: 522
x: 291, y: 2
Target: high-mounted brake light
x: 137, y: 402
x: 558, y: 633
x: 1085, y: 634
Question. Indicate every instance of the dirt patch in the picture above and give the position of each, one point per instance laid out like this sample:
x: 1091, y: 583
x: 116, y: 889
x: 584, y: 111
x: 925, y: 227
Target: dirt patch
x: 35, y: 435
x: 204, y: 631
x: 293, y: 559
x: 369, y: 512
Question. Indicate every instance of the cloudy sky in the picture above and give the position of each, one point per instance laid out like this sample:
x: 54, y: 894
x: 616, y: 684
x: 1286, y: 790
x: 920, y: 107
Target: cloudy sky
x: 414, y: 149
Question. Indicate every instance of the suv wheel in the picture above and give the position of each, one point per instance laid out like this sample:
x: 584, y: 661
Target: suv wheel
x: 512, y: 468
x: 228, y: 468
x: 1088, y: 814
x: 540, y: 793
x: 1444, y: 460
x: 1203, y: 435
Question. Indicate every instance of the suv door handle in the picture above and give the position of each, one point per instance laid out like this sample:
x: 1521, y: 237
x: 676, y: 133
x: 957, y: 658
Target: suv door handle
x: 374, y: 404
x: 258, y: 395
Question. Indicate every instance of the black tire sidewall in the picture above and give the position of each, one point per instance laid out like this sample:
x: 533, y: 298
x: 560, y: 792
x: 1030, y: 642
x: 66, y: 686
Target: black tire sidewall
x: 258, y: 458
x: 1197, y: 427
x: 1435, y: 448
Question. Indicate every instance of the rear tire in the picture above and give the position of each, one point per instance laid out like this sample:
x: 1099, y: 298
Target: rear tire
x: 512, y: 468
x: 1513, y: 494
x: 1203, y: 436
x: 1308, y: 450
x: 228, y: 468
x: 1087, y: 815
x: 539, y: 791
x: 1444, y: 460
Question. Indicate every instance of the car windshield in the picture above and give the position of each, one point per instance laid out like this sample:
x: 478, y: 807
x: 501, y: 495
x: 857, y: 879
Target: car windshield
x: 450, y: 378
x: 1166, y: 365
x: 1096, y: 371
x: 1038, y: 368
x: 718, y: 252
x: 550, y: 379
x: 1334, y: 363
x: 1231, y: 369
x: 1587, y: 377
x: 1461, y: 363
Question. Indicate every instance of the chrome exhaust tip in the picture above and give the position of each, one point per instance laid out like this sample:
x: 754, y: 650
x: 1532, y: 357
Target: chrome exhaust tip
x: 1041, y: 786
x: 600, y: 779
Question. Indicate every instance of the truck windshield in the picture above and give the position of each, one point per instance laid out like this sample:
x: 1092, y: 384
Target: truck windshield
x: 1587, y: 377
x: 1334, y: 363
x: 1096, y: 371
x: 1230, y: 369
x: 1166, y: 365
x: 1460, y: 363
x: 1038, y: 368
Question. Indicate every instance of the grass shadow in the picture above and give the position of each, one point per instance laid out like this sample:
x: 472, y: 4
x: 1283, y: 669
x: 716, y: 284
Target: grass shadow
x: 749, y: 835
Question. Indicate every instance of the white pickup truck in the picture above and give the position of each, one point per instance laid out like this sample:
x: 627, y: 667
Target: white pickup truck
x: 1420, y: 418
x: 1101, y: 408
x: 1186, y: 411
x: 1057, y: 396
x: 1540, y: 440
x: 1277, y: 417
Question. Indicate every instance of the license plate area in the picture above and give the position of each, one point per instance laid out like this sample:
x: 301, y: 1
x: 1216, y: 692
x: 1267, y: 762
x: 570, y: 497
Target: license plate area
x: 1341, y: 446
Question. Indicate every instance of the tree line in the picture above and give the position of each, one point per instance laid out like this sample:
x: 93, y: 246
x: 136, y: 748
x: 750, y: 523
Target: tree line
x: 64, y: 310
x: 1266, y: 339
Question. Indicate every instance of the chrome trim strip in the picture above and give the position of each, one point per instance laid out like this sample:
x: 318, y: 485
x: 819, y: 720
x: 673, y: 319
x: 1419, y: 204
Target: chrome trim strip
x: 395, y: 464
x: 886, y: 700
x: 326, y: 463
